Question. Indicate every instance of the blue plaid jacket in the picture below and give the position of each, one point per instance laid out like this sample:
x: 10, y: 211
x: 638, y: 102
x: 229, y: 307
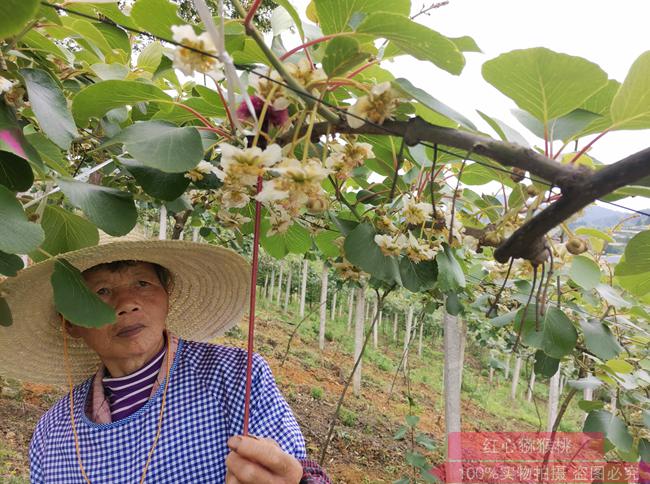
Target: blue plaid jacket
x: 205, y: 406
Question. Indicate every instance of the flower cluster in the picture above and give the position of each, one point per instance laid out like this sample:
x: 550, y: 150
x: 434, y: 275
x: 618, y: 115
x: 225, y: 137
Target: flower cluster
x: 189, y: 60
x: 416, y: 213
x: 415, y: 249
x: 349, y: 272
x: 375, y: 107
x: 240, y: 169
x: 199, y: 171
x: 346, y: 157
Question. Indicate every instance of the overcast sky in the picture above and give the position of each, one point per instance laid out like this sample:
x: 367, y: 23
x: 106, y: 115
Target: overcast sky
x: 611, y: 34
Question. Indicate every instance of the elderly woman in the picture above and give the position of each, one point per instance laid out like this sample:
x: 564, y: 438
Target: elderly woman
x: 161, y: 407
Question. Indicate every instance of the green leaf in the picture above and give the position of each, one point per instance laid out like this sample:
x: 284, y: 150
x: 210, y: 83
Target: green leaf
x: 64, y: 232
x: 89, y: 32
x: 111, y: 210
x: 504, y: 319
x: 17, y: 234
x: 571, y: 125
x: 620, y: 366
x: 412, y: 420
x: 612, y: 296
x: 5, y: 313
x: 38, y: 42
x: 50, y: 107
x: 295, y: 240
x: 75, y: 301
x: 401, y: 433
x: 631, y: 105
x: 504, y: 131
x: 150, y: 57
x: 646, y: 419
x: 545, y: 365
x: 585, y: 272
x: 325, y: 242
x: 637, y: 256
x: 14, y: 15
x: 426, y: 442
x: 158, y: 184
x: 476, y: 174
x: 341, y: 55
x: 453, y: 305
x: 417, y: 277
x: 589, y: 405
x: 294, y: 15
x: 362, y: 251
x: 450, y: 274
x: 600, y: 103
x: 156, y: 16
x: 560, y: 336
x: 51, y: 153
x: 338, y: 15
x: 544, y: 83
x: 117, y: 38
x: 612, y: 428
x: 600, y: 340
x: 161, y: 145
x: 432, y: 103
x: 15, y: 172
x: 97, y: 99
x: 594, y: 233
x: 416, y: 459
x: 414, y: 39
x: 10, y: 264
x: 110, y: 72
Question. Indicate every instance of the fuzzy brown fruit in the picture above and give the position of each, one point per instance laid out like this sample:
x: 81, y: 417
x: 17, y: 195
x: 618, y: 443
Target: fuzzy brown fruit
x: 576, y: 246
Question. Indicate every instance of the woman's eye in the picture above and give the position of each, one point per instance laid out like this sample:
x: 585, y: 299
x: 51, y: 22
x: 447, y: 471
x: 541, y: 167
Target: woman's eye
x: 143, y: 283
x: 102, y: 291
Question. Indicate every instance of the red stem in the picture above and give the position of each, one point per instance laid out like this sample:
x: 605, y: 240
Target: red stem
x: 587, y: 146
x: 361, y: 69
x: 308, y: 44
x: 215, y: 130
x: 200, y: 117
x: 251, y: 311
x: 225, y: 106
x: 251, y: 13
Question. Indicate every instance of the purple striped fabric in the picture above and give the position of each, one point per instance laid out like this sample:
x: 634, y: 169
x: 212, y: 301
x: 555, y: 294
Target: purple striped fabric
x: 127, y: 394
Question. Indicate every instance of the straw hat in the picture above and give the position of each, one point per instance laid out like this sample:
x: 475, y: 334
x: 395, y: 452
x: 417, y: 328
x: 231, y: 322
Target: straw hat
x: 209, y: 294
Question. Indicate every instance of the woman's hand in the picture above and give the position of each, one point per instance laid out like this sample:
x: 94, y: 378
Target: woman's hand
x: 254, y: 460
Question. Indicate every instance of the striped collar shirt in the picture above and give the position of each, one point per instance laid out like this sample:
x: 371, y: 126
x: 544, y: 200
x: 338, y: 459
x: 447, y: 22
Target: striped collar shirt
x: 127, y: 394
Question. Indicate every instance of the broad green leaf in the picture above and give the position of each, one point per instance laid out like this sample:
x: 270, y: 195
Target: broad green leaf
x: 453, y: 305
x: 64, y: 232
x: 362, y: 251
x: 477, y: 174
x: 5, y: 313
x: 341, y: 15
x: 504, y: 131
x: 600, y: 103
x: 50, y: 107
x: 75, y: 301
x: 465, y: 44
x: 504, y: 319
x: 628, y: 191
x: 620, y: 366
x: 156, y: 16
x: 161, y: 145
x: 417, y: 277
x: 450, y: 274
x: 560, y: 336
x: 117, y: 38
x: 589, y: 405
x: 544, y: 83
x: 612, y: 296
x: 294, y: 15
x: 631, y: 106
x: 97, y: 99
x: 585, y: 272
x: 10, y: 264
x: 110, y: 72
x: 110, y: 10
x: 111, y: 210
x: 51, y: 153
x: 15, y: 14
x: 612, y: 428
x: 150, y: 57
x: 571, y: 125
x: 600, y: 340
x: 325, y: 242
x: 88, y: 31
x: 158, y: 184
x: 176, y: 114
x: 589, y: 382
x: 545, y: 365
x: 638, y: 284
x: 40, y: 43
x: 594, y: 233
x: 414, y: 39
x: 341, y: 55
x: 295, y: 240
x: 637, y: 256
x: 533, y: 125
x: 432, y: 103
x: 17, y: 234
x: 15, y: 172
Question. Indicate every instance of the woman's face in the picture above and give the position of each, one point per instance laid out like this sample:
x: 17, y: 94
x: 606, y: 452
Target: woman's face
x: 141, y: 303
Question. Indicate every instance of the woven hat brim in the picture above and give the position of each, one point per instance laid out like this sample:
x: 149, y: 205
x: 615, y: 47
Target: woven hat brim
x: 209, y: 295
